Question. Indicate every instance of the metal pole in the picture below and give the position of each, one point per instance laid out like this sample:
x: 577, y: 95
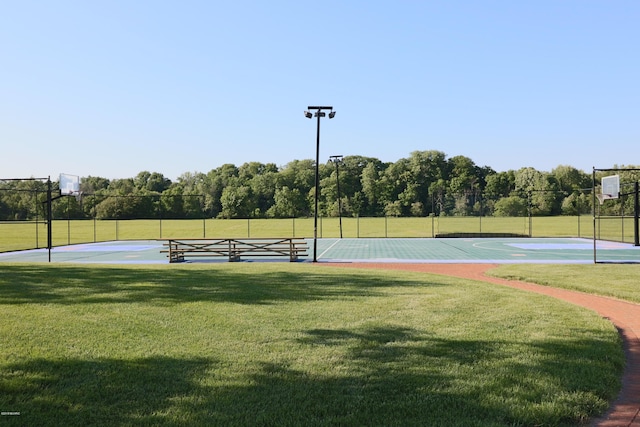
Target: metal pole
x: 204, y: 217
x: 49, y: 218
x: 337, y: 160
x: 339, y: 199
x: 530, y: 215
x: 636, y: 214
x: 160, y: 214
x: 68, y: 220
x: 319, y: 113
x: 37, y: 222
x: 593, y: 211
x: 315, y: 213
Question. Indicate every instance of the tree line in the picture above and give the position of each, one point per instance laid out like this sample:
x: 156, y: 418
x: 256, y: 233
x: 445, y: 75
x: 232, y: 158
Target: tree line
x: 425, y: 183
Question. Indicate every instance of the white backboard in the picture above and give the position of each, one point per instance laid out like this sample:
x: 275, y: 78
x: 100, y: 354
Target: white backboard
x: 611, y: 186
x: 69, y: 184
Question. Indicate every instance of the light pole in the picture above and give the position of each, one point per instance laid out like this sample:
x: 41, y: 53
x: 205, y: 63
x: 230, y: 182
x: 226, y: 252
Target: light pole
x: 319, y: 113
x: 337, y: 160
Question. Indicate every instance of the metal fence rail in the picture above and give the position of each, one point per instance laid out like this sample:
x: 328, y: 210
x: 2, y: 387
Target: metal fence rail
x: 20, y: 235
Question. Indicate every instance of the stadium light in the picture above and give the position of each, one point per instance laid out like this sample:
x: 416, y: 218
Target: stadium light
x: 337, y: 160
x: 319, y: 113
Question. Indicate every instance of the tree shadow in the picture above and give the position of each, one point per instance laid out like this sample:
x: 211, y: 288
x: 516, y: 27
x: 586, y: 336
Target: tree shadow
x: 386, y: 375
x: 98, y: 392
x: 421, y: 376
x: 22, y: 284
x: 389, y: 375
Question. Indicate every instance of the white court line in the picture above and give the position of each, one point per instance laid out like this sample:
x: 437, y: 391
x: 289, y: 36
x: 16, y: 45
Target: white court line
x: 329, y: 248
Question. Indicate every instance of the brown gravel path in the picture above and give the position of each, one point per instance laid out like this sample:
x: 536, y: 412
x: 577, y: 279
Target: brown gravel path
x: 625, y: 410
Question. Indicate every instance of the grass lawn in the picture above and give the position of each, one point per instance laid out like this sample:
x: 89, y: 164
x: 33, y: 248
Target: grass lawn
x: 293, y: 344
x: 613, y: 280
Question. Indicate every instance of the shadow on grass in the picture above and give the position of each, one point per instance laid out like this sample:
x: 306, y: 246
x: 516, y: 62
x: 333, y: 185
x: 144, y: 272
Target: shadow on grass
x: 428, y: 380
x: 21, y: 284
x: 97, y: 392
x: 389, y: 376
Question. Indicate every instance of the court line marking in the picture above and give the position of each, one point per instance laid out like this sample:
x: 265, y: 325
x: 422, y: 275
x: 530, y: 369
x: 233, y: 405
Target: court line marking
x: 329, y: 248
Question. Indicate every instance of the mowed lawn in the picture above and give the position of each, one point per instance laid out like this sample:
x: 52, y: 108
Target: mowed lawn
x: 610, y: 280
x: 293, y: 344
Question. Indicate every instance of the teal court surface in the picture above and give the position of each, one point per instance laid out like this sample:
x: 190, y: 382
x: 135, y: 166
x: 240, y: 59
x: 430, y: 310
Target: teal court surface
x: 409, y: 250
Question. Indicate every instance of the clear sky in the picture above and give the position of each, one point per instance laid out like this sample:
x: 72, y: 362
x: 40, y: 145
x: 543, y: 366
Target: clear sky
x: 111, y: 88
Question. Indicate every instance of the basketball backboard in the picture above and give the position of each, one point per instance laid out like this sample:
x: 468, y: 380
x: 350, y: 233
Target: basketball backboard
x: 611, y: 186
x: 69, y: 184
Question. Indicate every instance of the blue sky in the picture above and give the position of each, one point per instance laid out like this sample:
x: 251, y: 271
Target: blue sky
x: 112, y: 88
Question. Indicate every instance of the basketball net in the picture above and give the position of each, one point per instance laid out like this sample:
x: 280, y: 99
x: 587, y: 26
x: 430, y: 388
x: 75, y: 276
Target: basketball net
x: 603, y: 196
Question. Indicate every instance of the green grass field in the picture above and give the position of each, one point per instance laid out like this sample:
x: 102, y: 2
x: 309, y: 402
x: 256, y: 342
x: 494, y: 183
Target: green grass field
x: 27, y: 235
x: 611, y: 280
x: 294, y: 344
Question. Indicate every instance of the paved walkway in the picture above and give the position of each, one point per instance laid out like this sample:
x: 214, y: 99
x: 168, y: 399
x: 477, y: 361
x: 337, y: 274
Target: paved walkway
x: 625, y: 410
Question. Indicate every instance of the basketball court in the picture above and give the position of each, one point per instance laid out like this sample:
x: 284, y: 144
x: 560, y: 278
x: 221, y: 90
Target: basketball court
x: 379, y: 250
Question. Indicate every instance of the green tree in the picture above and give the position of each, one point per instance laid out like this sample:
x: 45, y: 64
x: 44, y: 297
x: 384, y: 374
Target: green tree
x: 576, y: 204
x: 93, y: 184
x: 350, y: 171
x: 426, y: 167
x: 371, y: 188
x: 200, y: 184
x: 396, y: 186
x: 236, y: 202
x: 570, y: 179
x: 466, y: 182
x: 511, y: 206
x: 499, y: 185
x: 541, y: 188
x: 298, y: 174
x: 289, y: 203
x: 121, y: 187
x: 216, y: 181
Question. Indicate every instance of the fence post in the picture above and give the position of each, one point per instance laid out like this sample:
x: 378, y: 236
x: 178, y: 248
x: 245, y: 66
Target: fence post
x: 68, y: 220
x: 622, y: 222
x: 433, y: 219
x: 385, y: 227
x: 636, y: 214
x: 49, y: 218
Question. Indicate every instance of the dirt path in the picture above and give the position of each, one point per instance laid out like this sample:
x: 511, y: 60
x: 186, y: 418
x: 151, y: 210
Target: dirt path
x: 625, y: 410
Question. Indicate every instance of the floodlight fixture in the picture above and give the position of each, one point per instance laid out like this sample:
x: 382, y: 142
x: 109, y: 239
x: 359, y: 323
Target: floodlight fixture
x: 332, y: 114
x: 308, y: 115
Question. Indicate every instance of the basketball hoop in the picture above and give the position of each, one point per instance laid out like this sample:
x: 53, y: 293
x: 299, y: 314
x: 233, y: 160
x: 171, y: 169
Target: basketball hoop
x: 603, y: 196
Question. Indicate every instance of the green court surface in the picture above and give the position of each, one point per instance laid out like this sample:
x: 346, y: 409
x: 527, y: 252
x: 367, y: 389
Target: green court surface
x: 428, y: 250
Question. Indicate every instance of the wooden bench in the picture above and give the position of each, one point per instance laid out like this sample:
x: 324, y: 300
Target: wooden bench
x: 234, y: 249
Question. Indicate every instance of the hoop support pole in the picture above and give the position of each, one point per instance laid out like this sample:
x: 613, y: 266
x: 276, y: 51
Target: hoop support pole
x: 636, y: 214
